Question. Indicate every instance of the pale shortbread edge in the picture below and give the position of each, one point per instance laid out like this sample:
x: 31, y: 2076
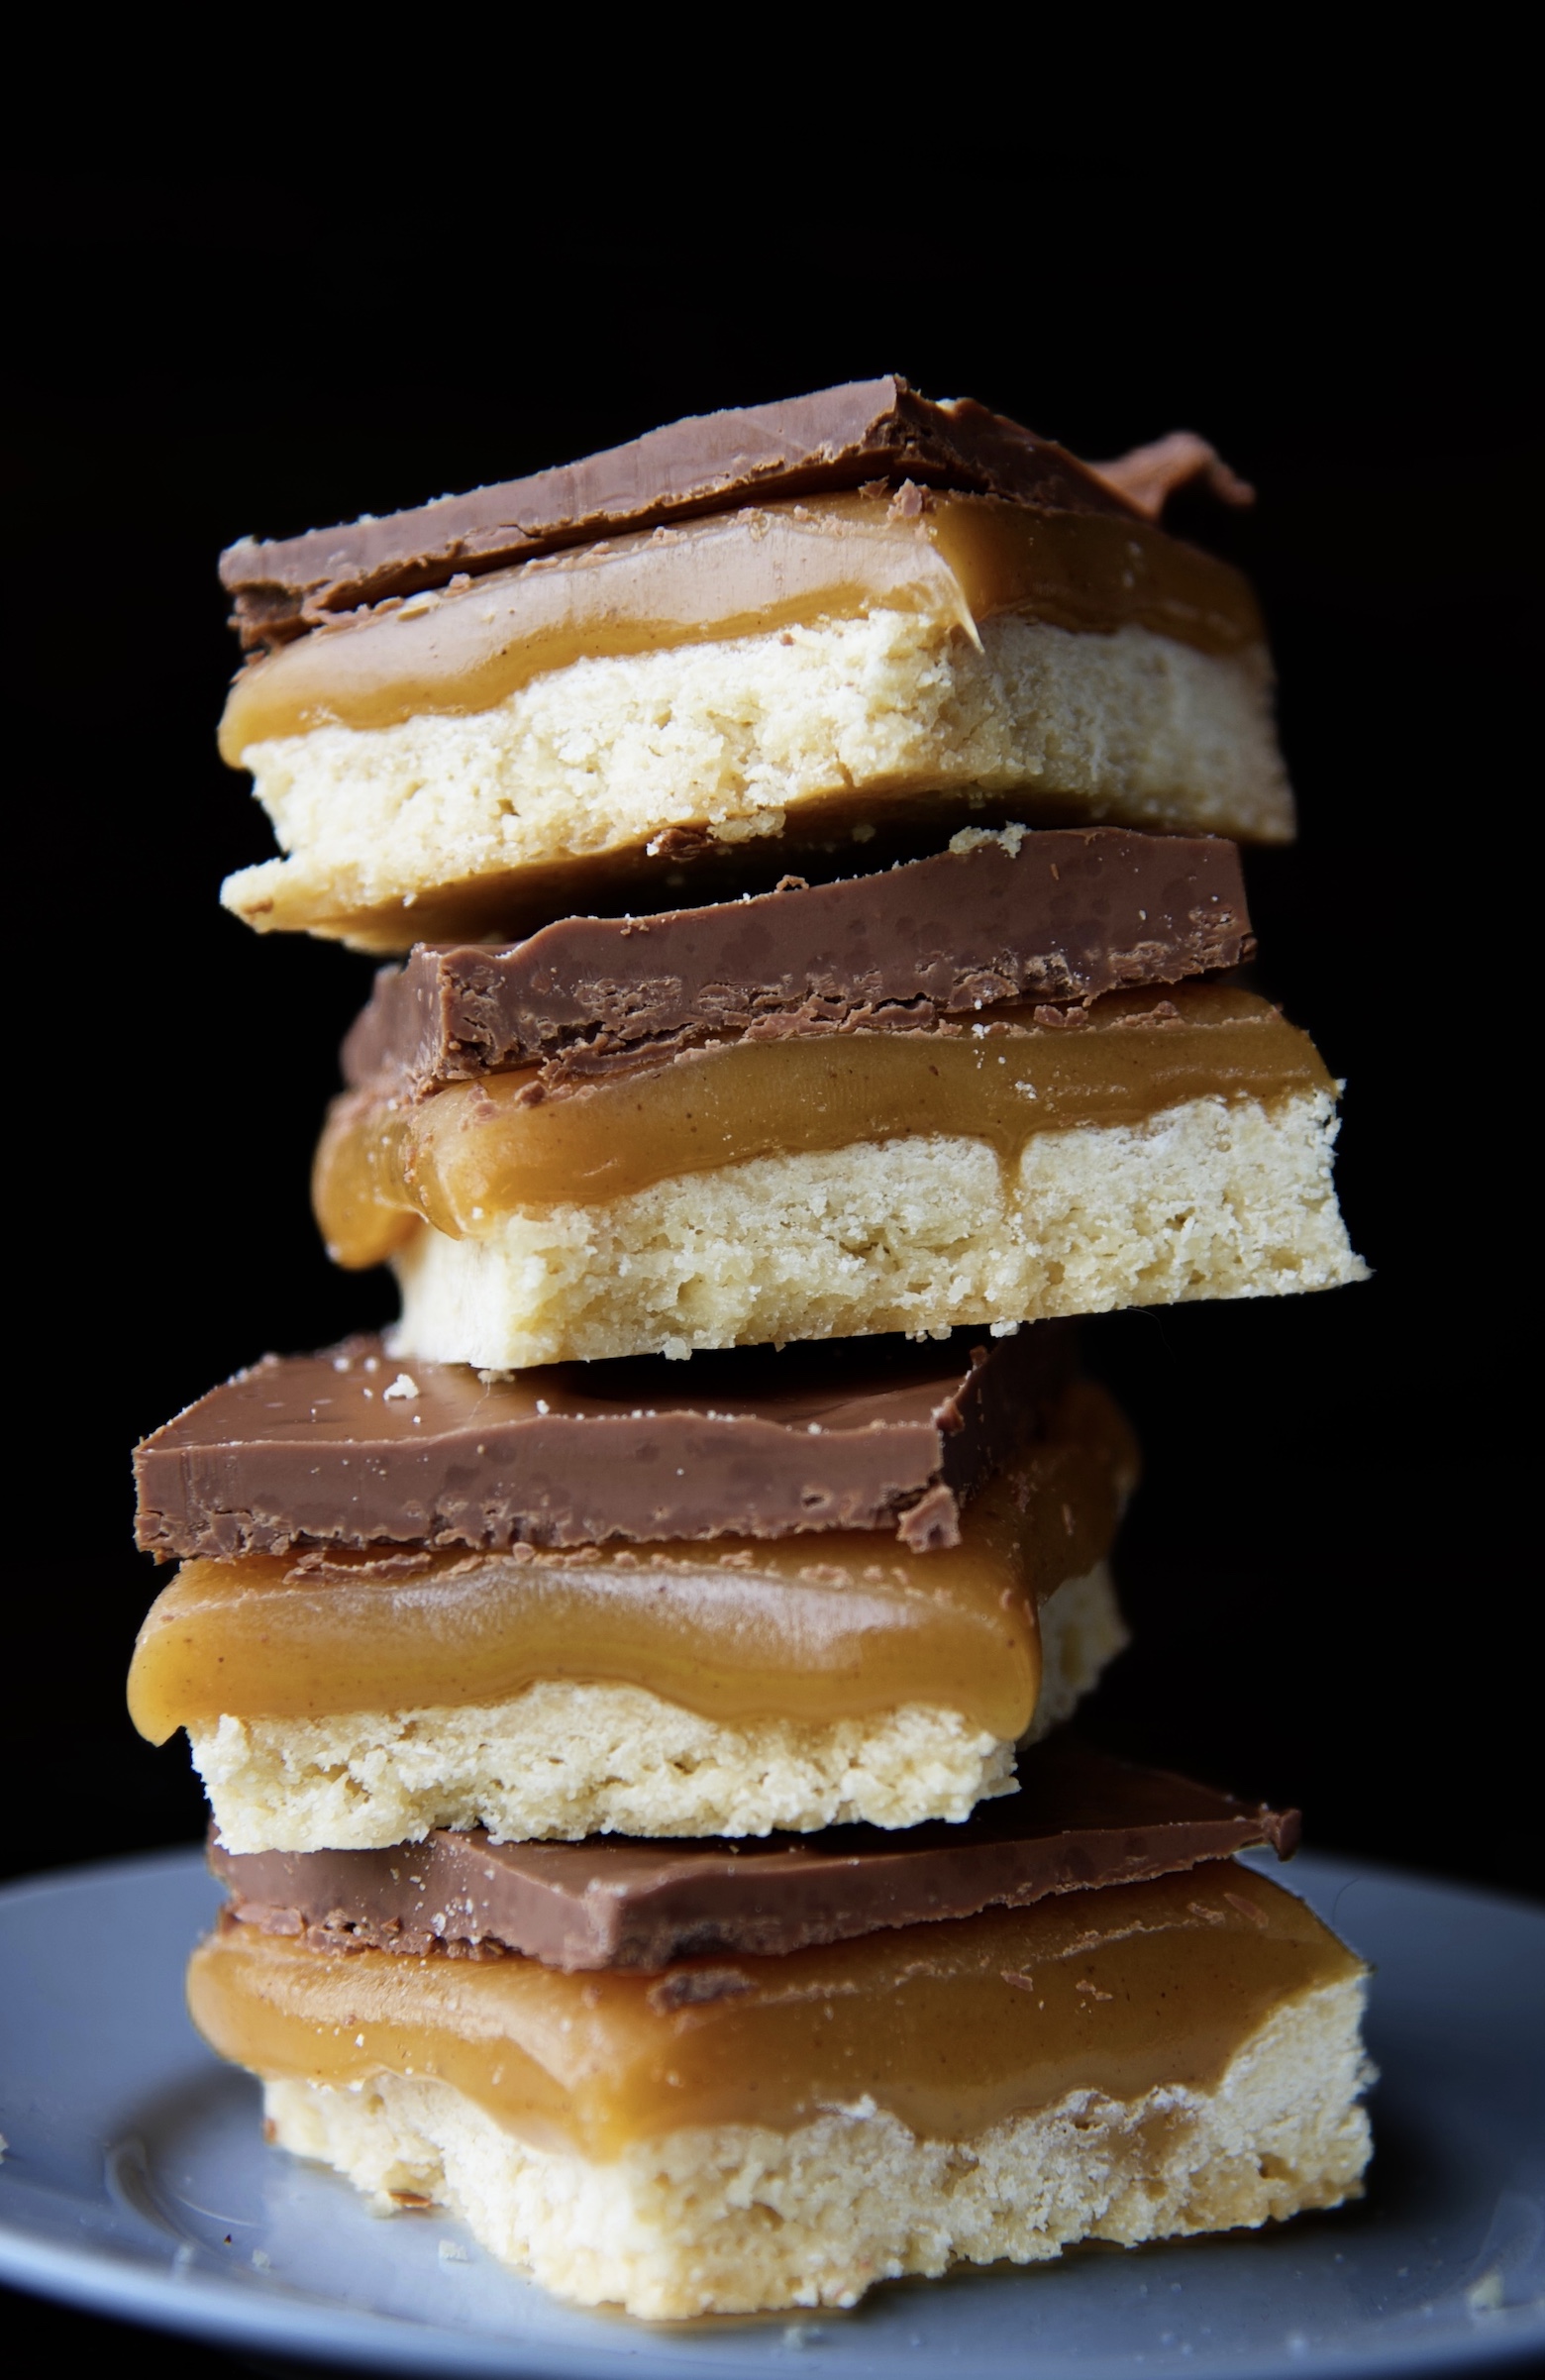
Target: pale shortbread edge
x: 736, y: 737
x: 562, y: 1760
x: 1209, y: 1198
x: 739, y: 2218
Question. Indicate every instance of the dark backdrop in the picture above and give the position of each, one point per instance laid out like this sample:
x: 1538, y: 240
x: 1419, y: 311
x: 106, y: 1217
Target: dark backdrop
x: 1326, y: 1565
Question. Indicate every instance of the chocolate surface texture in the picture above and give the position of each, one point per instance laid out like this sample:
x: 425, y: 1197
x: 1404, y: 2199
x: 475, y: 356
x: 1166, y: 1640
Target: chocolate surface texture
x: 351, y: 1449
x: 837, y: 437
x: 1055, y: 916
x: 1081, y: 1820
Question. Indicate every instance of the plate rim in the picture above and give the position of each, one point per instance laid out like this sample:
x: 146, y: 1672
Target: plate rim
x: 212, y: 2308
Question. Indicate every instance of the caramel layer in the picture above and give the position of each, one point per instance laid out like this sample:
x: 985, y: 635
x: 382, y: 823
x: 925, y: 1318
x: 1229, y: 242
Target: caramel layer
x: 735, y: 1630
x: 786, y: 565
x: 465, y: 1156
x: 950, y: 2027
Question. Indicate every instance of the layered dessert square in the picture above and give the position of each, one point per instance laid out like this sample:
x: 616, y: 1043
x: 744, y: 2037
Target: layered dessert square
x: 1017, y: 1079
x: 821, y: 1602
x: 1052, y: 2060
x: 781, y: 630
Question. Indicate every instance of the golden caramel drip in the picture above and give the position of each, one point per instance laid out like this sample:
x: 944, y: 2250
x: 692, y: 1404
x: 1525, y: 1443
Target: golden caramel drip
x: 950, y: 2027
x: 734, y: 1629
x: 474, y: 1151
x: 963, y: 559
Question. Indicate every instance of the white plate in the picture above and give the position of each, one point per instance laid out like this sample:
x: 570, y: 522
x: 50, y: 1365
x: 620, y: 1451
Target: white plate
x: 137, y: 2184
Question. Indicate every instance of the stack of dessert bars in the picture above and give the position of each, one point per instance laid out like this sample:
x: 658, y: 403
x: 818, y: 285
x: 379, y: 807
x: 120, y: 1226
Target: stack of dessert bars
x: 631, y: 1691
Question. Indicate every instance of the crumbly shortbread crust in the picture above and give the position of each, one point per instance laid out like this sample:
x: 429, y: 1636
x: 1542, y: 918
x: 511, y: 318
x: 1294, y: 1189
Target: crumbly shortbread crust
x: 565, y: 1760
x: 1210, y: 1198
x: 737, y: 2218
x: 739, y: 737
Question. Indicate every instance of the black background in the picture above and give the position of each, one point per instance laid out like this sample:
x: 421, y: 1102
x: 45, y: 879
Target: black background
x: 1329, y: 1565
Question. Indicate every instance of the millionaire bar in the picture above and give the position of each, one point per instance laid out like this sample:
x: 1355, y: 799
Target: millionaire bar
x: 349, y: 1448
x: 1053, y: 916
x: 873, y: 662
x: 838, y: 438
x: 351, y: 1703
x: 1148, y: 2059
x: 776, y: 1188
x: 1081, y: 1819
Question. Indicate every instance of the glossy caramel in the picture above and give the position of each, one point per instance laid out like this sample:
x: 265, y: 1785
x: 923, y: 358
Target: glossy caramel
x: 733, y: 1629
x: 951, y: 2027
x: 474, y: 1151
x: 962, y: 559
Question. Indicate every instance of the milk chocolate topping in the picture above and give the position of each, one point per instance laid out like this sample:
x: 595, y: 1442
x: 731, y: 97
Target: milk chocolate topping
x: 1081, y: 1820
x: 352, y: 1448
x: 1053, y: 915
x: 867, y: 429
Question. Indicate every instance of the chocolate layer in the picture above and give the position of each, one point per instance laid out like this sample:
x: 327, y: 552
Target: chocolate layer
x: 1054, y: 915
x: 1081, y: 1820
x: 846, y: 437
x: 349, y: 1448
